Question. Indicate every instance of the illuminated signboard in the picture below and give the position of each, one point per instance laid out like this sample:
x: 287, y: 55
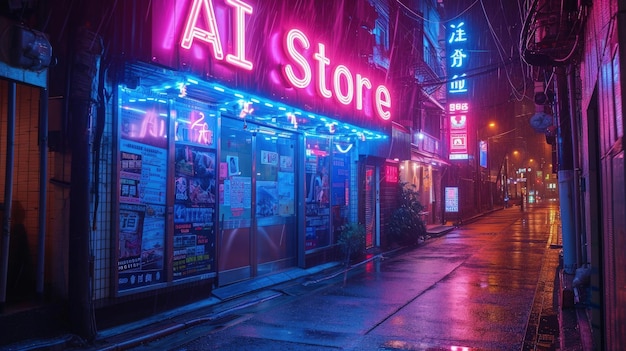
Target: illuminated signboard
x: 482, y: 153
x: 201, y: 24
x: 345, y: 87
x: 458, y: 130
x: 457, y: 89
x: 457, y: 62
x: 452, y: 199
x: 246, y: 45
x: 391, y: 173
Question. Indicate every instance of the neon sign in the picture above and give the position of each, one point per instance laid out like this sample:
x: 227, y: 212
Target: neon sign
x: 354, y: 87
x: 196, y: 129
x: 458, y: 130
x: 457, y: 59
x: 239, y: 46
x: 458, y: 106
x: 210, y: 35
x: 153, y: 126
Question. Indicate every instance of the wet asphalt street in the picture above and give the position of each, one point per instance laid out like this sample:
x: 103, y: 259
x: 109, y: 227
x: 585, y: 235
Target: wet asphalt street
x: 473, y: 288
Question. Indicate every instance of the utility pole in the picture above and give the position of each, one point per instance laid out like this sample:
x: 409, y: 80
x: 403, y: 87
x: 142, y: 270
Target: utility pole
x: 88, y: 49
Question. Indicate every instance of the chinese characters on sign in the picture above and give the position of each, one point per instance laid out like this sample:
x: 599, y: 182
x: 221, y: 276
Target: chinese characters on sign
x: 458, y: 106
x: 457, y: 58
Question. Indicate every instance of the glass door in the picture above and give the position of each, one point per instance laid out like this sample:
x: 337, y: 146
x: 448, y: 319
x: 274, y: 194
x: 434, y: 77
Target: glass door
x: 235, y: 203
x: 257, y: 197
x: 275, y: 218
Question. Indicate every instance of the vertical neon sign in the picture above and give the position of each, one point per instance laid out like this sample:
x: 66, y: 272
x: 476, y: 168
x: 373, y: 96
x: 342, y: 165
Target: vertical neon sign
x: 457, y: 89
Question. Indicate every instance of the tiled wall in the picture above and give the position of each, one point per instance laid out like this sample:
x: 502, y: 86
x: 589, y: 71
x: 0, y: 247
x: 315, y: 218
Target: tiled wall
x: 26, y: 185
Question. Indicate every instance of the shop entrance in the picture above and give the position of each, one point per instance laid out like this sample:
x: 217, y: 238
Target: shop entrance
x: 257, y: 192
x: 371, y: 206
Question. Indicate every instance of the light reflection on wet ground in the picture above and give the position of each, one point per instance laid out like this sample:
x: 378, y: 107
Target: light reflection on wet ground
x: 472, y: 289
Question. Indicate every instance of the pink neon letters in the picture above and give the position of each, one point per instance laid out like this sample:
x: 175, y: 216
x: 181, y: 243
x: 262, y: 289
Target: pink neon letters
x: 204, y: 8
x: 299, y: 74
x: 345, y: 87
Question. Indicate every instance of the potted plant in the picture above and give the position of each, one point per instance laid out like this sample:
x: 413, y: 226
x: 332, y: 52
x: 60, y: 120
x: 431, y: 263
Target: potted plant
x: 352, y: 241
x: 406, y: 225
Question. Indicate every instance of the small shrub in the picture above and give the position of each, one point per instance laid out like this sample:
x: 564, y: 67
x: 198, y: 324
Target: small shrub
x: 352, y: 241
x: 406, y: 225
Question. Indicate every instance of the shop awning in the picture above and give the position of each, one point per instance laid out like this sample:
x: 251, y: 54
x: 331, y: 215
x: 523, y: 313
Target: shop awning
x: 176, y: 84
x: 399, y: 148
x: 427, y: 158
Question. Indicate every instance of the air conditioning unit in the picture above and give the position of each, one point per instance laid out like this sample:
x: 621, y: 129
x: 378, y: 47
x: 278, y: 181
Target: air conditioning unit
x: 30, y: 49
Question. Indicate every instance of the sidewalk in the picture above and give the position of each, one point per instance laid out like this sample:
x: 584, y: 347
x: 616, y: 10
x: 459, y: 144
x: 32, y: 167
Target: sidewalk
x: 548, y: 327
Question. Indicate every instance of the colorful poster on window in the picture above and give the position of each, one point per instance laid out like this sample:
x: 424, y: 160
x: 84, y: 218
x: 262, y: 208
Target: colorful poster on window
x: 286, y: 196
x: 194, y: 211
x: 317, y: 210
x: 143, y: 173
x: 341, y: 175
x: 142, y: 193
x: 266, y: 198
x: 141, y: 249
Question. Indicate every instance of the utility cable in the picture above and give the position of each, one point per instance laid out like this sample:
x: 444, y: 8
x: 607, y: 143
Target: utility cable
x: 500, y: 48
x: 427, y: 20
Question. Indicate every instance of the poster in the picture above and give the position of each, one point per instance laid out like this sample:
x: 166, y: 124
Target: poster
x: 317, y: 209
x: 141, y: 249
x: 286, y: 196
x: 142, y: 196
x: 267, y: 198
x: 143, y: 173
x: 452, y: 199
x: 194, y: 210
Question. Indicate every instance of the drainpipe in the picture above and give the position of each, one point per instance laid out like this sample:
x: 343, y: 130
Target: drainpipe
x: 566, y: 173
x: 8, y: 196
x: 576, y: 166
x: 43, y: 188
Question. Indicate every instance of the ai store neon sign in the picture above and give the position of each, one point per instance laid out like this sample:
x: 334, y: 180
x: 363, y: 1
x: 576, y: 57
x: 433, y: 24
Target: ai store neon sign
x: 201, y: 25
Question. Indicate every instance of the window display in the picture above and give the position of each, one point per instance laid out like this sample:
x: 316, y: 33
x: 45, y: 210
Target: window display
x: 142, y: 192
x: 317, y: 190
x: 195, y: 193
x: 340, y: 190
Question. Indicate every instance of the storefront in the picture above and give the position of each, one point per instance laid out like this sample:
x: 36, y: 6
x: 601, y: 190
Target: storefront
x: 237, y: 139
x: 424, y: 172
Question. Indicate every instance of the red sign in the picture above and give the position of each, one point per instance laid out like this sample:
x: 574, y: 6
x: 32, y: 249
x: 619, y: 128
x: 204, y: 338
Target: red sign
x: 391, y: 173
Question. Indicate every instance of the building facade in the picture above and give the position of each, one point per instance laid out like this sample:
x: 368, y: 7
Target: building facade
x: 199, y: 143
x: 585, y: 66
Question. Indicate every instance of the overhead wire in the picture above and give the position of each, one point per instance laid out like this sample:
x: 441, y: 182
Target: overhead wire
x: 500, y: 49
x: 408, y: 9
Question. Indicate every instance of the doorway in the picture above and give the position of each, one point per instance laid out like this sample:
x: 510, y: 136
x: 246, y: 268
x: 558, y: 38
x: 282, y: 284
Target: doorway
x: 257, y: 197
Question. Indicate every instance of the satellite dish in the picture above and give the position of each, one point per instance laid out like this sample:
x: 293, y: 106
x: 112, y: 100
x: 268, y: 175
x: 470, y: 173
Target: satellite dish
x: 540, y: 121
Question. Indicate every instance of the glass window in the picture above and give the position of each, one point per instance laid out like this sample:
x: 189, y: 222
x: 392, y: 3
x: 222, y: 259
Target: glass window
x: 195, y: 191
x: 340, y: 187
x: 142, y: 197
x: 317, y: 175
